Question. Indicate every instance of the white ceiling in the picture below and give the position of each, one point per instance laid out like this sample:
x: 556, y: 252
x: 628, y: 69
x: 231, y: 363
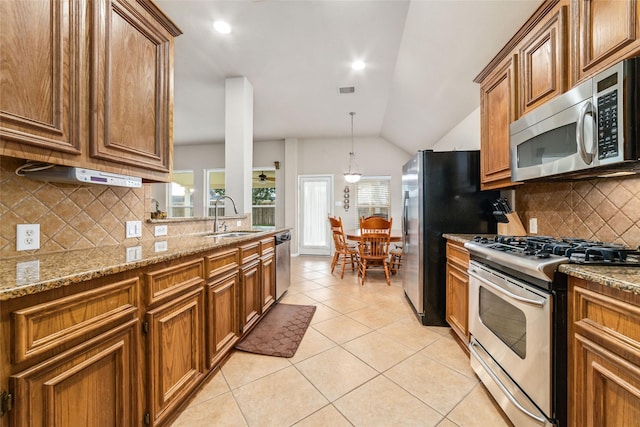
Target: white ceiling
x: 422, y: 57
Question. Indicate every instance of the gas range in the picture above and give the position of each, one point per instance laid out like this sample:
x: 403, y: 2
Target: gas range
x: 539, y: 256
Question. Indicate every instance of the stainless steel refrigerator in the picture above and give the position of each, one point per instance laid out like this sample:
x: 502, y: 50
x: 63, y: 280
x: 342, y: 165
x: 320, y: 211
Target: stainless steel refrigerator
x: 441, y: 194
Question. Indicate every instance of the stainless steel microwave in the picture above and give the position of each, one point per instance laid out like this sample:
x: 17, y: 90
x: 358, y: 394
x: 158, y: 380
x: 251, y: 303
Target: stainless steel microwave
x: 590, y: 128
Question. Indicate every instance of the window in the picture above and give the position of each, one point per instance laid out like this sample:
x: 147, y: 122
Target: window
x: 263, y: 198
x: 214, y: 188
x: 373, y: 197
x: 181, y: 195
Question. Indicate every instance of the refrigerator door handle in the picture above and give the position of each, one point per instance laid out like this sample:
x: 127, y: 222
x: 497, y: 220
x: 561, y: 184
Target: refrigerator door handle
x: 405, y: 220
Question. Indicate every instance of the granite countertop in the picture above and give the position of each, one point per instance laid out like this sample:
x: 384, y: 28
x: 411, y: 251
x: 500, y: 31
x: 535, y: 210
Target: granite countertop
x: 30, y: 274
x: 626, y: 279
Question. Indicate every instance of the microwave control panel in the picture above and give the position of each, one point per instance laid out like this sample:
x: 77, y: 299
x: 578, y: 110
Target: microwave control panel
x: 608, y: 125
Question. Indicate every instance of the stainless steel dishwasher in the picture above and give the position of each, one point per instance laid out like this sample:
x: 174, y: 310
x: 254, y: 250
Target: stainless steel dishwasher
x: 283, y: 263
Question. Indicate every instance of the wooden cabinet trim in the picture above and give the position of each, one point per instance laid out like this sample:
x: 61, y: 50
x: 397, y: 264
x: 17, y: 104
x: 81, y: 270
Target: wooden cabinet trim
x: 35, y: 392
x: 223, y: 329
x: 46, y: 326
x: 221, y: 262
x: 267, y: 246
x: 552, y: 35
x: 582, y: 19
x: 249, y: 252
x: 61, y: 130
x: 102, y: 143
x: 166, y: 389
x: 170, y: 281
x: 511, y: 45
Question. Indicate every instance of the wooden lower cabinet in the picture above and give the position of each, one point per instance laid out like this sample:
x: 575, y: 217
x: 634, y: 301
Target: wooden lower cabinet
x: 457, y: 296
x: 175, y: 352
x: 131, y: 348
x: 250, y: 295
x: 222, y: 316
x: 268, y: 280
x: 93, y: 384
x: 604, y: 356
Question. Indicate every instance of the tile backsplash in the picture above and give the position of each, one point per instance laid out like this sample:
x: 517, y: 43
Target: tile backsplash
x: 76, y: 216
x: 606, y: 209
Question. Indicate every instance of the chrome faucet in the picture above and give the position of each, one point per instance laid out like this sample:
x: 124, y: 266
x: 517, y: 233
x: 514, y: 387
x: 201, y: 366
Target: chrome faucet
x: 215, y: 211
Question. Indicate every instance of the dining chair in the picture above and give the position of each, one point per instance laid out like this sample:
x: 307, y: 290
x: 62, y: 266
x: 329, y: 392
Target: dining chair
x: 395, y: 258
x: 373, y: 248
x: 345, y: 252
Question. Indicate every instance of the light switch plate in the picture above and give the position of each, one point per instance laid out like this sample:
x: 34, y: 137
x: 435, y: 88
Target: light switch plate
x: 133, y: 229
x: 160, y: 230
x: 134, y: 253
x: 161, y: 246
x: 533, y: 225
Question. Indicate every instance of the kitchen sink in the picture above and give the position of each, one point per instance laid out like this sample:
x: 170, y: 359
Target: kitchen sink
x: 231, y: 234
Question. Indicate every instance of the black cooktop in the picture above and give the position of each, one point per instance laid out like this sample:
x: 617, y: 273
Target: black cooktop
x: 578, y: 251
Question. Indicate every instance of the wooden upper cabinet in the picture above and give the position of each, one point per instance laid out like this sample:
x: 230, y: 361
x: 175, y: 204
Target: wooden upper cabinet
x: 88, y: 84
x: 542, y: 62
x: 132, y: 84
x: 40, y: 72
x: 605, y: 31
x: 498, y: 110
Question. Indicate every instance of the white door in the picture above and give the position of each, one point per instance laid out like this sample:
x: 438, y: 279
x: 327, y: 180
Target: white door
x: 316, y: 194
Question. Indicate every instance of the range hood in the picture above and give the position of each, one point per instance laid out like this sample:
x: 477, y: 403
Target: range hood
x: 72, y: 175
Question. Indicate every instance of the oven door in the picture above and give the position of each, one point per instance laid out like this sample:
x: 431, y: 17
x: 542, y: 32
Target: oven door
x: 512, y: 322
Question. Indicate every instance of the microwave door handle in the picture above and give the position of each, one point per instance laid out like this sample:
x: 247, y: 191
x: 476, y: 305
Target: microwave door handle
x: 587, y: 108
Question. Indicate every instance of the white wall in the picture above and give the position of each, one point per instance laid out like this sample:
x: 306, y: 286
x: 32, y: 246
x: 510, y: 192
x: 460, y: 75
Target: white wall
x: 375, y: 156
x: 464, y: 136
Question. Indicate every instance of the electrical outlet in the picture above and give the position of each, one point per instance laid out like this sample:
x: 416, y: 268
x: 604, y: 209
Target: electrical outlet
x: 160, y: 230
x: 238, y: 223
x: 533, y: 225
x: 27, y: 272
x: 134, y: 253
x: 27, y: 237
x: 134, y: 229
x: 161, y: 246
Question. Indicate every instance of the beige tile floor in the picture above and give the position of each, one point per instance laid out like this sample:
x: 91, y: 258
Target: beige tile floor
x: 364, y: 361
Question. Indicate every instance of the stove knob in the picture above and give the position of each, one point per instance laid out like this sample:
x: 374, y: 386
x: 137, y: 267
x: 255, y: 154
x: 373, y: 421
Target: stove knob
x: 543, y: 253
x: 529, y: 251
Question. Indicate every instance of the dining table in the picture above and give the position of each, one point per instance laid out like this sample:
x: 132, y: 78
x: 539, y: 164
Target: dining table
x: 354, y: 235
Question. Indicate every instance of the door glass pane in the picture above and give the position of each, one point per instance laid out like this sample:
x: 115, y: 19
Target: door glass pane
x: 316, y: 212
x: 505, y: 320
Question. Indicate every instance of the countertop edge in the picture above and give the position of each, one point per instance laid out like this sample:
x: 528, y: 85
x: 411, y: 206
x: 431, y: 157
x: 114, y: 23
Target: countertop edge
x: 200, y: 244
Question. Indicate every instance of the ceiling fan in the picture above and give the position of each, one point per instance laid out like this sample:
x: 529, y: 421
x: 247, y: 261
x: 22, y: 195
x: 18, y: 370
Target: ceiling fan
x: 262, y: 178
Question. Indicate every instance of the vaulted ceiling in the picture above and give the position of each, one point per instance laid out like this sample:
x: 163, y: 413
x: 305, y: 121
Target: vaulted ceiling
x: 421, y: 59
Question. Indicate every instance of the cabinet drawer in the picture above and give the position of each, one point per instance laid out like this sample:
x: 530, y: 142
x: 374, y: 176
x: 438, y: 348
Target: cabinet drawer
x: 249, y: 252
x: 43, y: 327
x: 267, y: 246
x: 162, y: 284
x: 457, y: 254
x: 221, y: 262
x: 608, y: 321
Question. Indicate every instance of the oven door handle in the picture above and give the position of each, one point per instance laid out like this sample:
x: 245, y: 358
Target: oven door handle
x: 504, y: 389
x: 503, y: 291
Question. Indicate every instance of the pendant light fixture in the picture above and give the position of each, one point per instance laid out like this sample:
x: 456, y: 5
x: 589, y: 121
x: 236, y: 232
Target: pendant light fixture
x: 352, y: 175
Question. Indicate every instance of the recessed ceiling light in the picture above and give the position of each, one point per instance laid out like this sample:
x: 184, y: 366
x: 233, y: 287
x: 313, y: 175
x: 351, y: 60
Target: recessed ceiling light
x: 222, y: 27
x: 357, y: 65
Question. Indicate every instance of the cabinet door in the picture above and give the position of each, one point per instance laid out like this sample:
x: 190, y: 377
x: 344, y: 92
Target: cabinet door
x: 250, y: 292
x: 605, y: 32
x: 40, y: 77
x: 175, y: 353
x: 92, y: 384
x: 268, y: 280
x: 131, y: 83
x: 542, y: 67
x: 607, y: 387
x: 497, y: 99
x: 222, y: 317
x: 458, y: 301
